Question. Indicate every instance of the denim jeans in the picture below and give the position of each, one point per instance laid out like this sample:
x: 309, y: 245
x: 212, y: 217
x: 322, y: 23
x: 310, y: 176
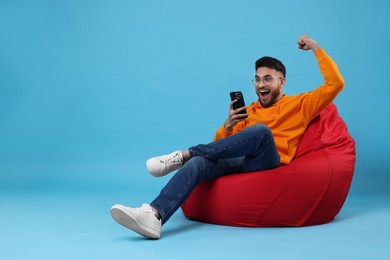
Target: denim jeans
x: 252, y: 149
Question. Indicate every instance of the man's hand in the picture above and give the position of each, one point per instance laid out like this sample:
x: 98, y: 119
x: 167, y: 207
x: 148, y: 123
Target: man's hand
x: 234, y: 116
x: 306, y: 43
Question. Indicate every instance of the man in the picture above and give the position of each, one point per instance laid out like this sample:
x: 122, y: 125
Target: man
x: 264, y: 137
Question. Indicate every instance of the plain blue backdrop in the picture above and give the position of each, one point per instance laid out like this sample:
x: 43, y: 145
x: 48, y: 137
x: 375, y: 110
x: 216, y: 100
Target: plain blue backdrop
x: 90, y: 89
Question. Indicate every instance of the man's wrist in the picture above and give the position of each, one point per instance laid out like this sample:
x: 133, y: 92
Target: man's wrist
x: 315, y: 50
x: 227, y: 129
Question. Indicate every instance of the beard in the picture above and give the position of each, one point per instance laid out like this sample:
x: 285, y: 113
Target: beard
x: 267, y: 100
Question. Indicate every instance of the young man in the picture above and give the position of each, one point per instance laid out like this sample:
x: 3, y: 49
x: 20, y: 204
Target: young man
x: 264, y: 137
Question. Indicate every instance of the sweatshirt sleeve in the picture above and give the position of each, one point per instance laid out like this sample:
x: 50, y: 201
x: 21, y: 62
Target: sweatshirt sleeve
x: 222, y: 132
x: 314, y: 102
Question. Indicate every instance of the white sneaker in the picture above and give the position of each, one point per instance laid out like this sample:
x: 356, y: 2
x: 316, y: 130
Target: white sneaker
x: 162, y: 165
x: 141, y: 220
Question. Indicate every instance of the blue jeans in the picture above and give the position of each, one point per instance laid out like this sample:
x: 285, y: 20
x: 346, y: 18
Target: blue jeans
x: 252, y: 149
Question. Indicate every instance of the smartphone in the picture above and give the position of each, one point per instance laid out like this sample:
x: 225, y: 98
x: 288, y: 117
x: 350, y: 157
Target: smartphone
x: 240, y: 100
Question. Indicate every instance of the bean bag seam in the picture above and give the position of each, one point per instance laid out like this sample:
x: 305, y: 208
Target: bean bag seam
x: 280, y: 193
x: 322, y: 194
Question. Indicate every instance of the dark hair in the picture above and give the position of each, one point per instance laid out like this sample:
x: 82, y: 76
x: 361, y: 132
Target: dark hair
x: 271, y: 63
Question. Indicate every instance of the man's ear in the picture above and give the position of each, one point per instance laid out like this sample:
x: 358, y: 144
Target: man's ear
x: 282, y: 82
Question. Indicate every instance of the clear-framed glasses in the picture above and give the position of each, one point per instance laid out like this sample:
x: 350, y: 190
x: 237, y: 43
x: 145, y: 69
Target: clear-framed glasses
x: 267, y: 79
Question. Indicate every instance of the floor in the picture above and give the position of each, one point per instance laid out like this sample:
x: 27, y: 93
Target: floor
x: 74, y: 224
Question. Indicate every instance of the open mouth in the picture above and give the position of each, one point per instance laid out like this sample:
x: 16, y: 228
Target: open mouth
x: 264, y: 93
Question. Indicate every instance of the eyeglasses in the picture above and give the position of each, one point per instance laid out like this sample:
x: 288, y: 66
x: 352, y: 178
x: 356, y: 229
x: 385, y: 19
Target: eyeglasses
x: 268, y: 79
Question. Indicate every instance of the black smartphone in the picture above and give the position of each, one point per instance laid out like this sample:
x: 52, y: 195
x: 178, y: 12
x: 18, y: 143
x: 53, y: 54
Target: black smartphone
x: 240, y: 100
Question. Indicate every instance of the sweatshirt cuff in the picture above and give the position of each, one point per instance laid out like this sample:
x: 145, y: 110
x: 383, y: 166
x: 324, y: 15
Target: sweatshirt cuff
x: 319, y: 52
x: 222, y: 133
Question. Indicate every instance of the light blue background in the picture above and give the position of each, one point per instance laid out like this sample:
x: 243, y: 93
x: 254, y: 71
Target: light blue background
x: 90, y: 89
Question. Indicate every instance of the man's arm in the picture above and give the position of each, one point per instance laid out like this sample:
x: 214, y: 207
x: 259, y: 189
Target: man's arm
x: 317, y: 100
x: 234, y: 117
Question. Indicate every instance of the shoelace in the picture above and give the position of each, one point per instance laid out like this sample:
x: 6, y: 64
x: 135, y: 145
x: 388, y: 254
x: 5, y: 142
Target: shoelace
x: 145, y: 207
x: 174, y: 160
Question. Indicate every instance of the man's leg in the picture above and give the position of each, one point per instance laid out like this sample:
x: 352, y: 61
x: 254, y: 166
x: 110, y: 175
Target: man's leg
x: 256, y: 144
x: 252, y: 149
x: 249, y: 150
x: 180, y: 186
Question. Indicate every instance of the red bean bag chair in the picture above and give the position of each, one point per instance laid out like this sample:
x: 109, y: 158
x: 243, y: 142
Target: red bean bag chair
x: 310, y: 190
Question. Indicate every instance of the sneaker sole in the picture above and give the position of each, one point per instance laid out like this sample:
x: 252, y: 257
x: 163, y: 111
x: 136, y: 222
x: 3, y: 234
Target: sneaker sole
x: 128, y: 220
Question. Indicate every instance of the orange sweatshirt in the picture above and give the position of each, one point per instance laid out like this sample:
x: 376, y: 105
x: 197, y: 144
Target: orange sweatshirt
x: 289, y: 117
